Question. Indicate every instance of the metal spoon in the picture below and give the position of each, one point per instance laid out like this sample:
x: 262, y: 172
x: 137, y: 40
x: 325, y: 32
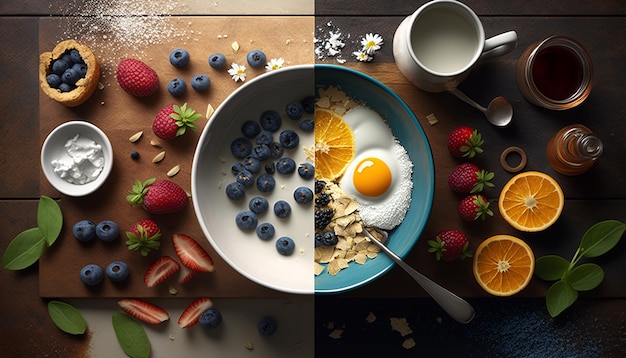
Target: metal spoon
x: 454, y: 305
x: 499, y: 112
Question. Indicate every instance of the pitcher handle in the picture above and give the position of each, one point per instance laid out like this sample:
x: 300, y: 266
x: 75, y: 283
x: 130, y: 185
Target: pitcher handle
x: 499, y: 45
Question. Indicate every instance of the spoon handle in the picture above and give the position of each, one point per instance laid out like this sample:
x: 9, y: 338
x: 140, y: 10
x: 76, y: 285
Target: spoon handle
x: 454, y: 305
x: 467, y: 100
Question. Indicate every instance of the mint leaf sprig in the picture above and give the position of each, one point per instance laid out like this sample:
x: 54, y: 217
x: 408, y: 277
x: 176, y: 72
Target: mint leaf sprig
x: 569, y: 276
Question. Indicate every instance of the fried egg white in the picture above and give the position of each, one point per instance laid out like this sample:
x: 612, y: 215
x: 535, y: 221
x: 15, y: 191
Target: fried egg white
x: 379, y: 177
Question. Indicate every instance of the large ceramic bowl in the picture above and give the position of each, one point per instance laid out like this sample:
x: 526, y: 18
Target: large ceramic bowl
x: 257, y: 259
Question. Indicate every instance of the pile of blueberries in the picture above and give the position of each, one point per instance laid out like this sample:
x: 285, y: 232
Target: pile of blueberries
x: 66, y: 71
x: 261, y: 156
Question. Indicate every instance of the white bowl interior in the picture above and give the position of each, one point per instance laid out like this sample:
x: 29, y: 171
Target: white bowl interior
x: 53, y: 148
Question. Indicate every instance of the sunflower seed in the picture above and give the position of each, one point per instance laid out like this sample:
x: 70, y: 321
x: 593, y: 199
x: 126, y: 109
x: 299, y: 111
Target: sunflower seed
x: 235, y: 46
x: 159, y: 157
x: 155, y: 143
x: 135, y: 137
x: 173, y: 171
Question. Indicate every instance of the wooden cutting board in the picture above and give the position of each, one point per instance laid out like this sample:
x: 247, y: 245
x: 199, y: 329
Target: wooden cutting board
x: 120, y: 115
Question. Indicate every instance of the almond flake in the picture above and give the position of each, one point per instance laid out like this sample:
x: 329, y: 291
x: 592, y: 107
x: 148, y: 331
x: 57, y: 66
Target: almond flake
x: 173, y: 171
x: 159, y: 157
x: 209, y: 111
x: 135, y: 137
x: 155, y: 143
x: 235, y: 46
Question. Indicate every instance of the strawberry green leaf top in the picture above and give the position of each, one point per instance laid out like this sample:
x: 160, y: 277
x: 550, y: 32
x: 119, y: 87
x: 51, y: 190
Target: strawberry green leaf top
x: 465, y: 142
x: 173, y: 120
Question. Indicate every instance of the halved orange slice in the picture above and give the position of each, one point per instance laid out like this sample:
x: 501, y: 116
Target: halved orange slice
x: 503, y: 265
x: 531, y: 201
x: 334, y: 144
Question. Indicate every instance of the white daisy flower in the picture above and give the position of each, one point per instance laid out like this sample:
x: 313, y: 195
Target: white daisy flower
x: 238, y: 72
x: 371, y: 43
x: 363, y: 56
x: 274, y: 64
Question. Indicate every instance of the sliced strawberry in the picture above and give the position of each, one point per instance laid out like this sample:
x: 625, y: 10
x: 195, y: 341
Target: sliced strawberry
x: 191, y: 254
x: 186, y: 274
x: 160, y: 269
x: 144, y: 311
x: 192, y: 313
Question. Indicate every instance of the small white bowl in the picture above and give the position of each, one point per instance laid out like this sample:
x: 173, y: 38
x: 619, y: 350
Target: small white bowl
x: 54, y: 148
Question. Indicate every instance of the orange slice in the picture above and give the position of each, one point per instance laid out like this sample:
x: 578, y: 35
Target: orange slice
x: 503, y: 265
x: 531, y: 201
x: 334, y: 144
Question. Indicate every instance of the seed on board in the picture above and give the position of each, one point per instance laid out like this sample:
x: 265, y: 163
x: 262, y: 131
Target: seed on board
x: 155, y: 143
x: 159, y: 157
x: 235, y: 46
x: 135, y: 137
x: 209, y: 111
x: 173, y: 171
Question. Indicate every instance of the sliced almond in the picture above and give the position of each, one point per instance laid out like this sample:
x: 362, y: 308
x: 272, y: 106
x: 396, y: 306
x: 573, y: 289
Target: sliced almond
x: 209, y: 111
x: 155, y: 143
x: 135, y: 137
x: 159, y: 157
x: 173, y: 171
x: 235, y: 46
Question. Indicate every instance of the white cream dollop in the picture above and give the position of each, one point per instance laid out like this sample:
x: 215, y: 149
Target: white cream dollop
x: 82, y: 163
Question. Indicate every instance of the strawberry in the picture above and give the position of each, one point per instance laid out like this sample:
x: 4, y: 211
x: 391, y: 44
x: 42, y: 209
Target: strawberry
x: 186, y: 274
x: 192, y: 313
x: 143, y: 236
x: 144, y: 311
x: 160, y: 270
x: 465, y: 142
x: 137, y: 78
x: 449, y: 245
x: 191, y: 254
x: 469, y: 178
x: 172, y: 121
x: 158, y: 196
x: 474, y: 207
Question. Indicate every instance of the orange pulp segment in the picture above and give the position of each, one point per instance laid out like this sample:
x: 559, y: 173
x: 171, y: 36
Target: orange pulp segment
x: 503, y: 265
x: 531, y: 201
x: 334, y: 144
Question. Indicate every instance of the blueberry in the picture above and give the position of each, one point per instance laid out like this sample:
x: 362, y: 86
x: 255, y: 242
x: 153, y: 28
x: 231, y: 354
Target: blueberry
x: 265, y: 137
x: 294, y: 110
x: 303, y: 195
x: 258, y: 205
x: 91, y: 275
x: 70, y: 76
x: 177, y: 87
x: 217, y: 61
x: 241, y: 147
x: 65, y: 87
x: 270, y: 168
x: 245, y: 177
x: 256, y: 59
x: 265, y: 231
x: 285, y: 245
x: 75, y: 56
x: 267, y: 326
x: 276, y: 150
x: 235, y: 191
x: 210, y: 318
x: 107, y: 230
x: 282, y: 209
x: 84, y: 230
x: 329, y: 238
x: 246, y: 220
x: 81, y: 68
x: 308, y: 104
x: 261, y: 152
x: 289, y: 139
x: 306, y: 171
x: 236, y: 168
x: 307, y: 125
x: 117, y: 271
x: 319, y: 239
x: 270, y: 120
x: 200, y: 82
x: 59, y: 66
x: 265, y: 183
x: 250, y: 129
x: 179, y: 57
x: 53, y: 80
x: 134, y: 154
x: 252, y: 164
x: 67, y: 58
x: 285, y: 165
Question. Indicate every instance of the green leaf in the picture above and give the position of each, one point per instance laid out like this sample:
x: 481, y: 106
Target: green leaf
x: 585, y: 277
x: 551, y: 267
x: 131, y: 336
x: 49, y: 219
x: 602, y: 237
x: 66, y: 317
x: 24, y: 250
x: 559, y: 297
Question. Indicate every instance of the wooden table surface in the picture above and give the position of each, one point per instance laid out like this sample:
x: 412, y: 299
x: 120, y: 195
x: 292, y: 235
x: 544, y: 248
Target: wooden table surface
x: 517, y: 326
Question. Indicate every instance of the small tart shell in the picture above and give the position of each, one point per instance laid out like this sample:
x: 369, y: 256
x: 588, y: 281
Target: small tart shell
x: 85, y: 87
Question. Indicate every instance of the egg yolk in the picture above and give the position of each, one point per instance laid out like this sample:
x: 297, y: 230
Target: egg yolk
x: 372, y: 177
